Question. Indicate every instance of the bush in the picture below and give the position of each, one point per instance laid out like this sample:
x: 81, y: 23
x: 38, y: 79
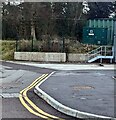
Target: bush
x: 77, y: 47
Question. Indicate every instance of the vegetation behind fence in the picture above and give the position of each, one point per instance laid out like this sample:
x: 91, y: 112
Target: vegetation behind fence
x: 62, y: 45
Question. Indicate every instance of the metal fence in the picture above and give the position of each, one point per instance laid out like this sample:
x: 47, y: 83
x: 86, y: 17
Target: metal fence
x: 48, y: 45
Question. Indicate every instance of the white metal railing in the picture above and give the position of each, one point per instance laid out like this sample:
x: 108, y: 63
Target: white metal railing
x: 100, y: 51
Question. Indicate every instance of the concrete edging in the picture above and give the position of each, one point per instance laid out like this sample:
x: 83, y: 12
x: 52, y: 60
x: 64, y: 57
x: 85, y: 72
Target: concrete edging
x: 62, y: 108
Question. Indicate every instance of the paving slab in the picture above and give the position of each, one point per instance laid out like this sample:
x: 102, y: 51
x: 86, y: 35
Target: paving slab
x: 89, y: 91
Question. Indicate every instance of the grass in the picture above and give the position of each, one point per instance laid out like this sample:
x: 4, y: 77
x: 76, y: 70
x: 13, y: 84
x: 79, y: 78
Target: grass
x: 7, y: 49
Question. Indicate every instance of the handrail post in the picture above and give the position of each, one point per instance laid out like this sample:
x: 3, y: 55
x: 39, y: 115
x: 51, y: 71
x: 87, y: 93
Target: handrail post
x: 87, y: 57
x: 105, y: 51
x: 101, y: 50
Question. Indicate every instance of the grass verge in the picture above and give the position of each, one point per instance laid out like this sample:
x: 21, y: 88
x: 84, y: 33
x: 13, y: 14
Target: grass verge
x: 7, y: 49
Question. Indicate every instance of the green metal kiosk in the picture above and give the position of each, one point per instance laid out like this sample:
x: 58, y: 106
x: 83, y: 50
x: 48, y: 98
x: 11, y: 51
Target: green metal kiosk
x: 99, y: 32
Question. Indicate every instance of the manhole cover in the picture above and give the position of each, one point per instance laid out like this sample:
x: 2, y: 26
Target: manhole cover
x: 81, y: 87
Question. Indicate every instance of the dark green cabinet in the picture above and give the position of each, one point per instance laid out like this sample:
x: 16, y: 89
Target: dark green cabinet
x: 95, y: 36
x: 103, y: 31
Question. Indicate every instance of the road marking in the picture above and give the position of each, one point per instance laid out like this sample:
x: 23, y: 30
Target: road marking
x: 35, y: 107
x: 9, y: 95
x: 29, y: 108
x: 33, y: 82
x: 23, y: 97
x: 24, y: 103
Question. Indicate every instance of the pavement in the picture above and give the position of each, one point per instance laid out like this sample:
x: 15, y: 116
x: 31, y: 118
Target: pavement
x: 87, y: 88
x: 66, y: 66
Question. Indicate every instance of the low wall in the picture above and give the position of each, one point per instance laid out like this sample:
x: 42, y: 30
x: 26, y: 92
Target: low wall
x: 77, y: 57
x: 49, y: 57
x: 40, y: 56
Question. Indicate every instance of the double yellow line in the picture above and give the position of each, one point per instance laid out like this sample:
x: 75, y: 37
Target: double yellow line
x: 29, y: 105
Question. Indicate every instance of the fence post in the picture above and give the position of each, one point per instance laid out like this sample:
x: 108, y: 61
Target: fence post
x: 49, y: 49
x: 32, y: 45
x: 16, y: 44
x: 63, y: 42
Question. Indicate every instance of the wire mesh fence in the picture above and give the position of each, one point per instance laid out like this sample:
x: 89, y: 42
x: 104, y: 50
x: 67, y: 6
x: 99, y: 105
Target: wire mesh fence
x: 67, y: 45
x: 40, y: 46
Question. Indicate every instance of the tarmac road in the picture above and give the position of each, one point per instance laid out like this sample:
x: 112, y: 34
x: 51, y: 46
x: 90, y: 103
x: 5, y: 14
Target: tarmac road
x: 90, y: 91
x: 15, y: 78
